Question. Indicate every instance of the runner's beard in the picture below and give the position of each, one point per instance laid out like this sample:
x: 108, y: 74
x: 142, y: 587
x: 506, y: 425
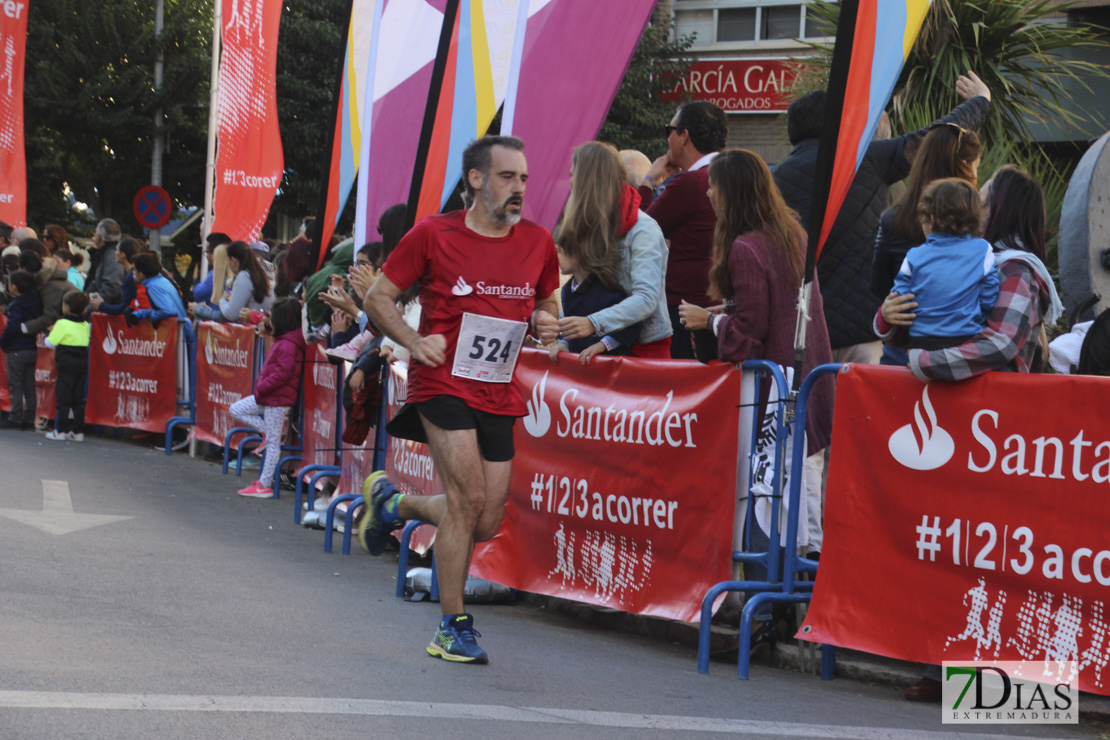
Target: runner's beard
x: 499, y: 213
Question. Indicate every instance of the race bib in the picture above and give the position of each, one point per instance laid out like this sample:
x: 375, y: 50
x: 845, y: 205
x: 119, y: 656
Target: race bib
x: 488, y: 348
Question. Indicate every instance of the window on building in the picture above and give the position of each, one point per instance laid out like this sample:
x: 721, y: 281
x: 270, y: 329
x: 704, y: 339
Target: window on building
x: 701, y: 24
x: 730, y: 21
x: 781, y: 22
x: 736, y: 24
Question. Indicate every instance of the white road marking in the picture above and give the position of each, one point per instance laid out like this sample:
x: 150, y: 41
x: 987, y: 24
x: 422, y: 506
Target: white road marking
x: 434, y: 710
x: 57, y: 516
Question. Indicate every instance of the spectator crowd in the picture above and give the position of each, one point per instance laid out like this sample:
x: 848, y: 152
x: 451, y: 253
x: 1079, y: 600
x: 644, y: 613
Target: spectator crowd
x: 697, y: 256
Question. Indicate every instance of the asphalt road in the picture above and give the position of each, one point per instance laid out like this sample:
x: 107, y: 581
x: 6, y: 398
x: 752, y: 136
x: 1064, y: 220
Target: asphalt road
x: 189, y: 612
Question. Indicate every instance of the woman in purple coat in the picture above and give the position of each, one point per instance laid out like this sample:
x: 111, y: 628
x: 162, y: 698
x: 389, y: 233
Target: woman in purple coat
x: 758, y: 264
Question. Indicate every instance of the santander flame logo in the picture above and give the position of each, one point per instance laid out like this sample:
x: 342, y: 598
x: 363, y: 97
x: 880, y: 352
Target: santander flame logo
x: 109, y: 344
x: 922, y: 445
x: 461, y: 288
x: 538, y: 420
x: 209, y: 355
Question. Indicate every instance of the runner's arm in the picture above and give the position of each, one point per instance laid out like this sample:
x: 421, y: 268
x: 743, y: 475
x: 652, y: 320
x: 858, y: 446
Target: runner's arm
x: 380, y: 305
x: 545, y: 319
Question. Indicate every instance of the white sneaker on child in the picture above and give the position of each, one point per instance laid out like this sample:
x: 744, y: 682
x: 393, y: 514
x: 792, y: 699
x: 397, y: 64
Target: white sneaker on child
x: 75, y: 437
x: 56, y: 436
x: 350, y: 350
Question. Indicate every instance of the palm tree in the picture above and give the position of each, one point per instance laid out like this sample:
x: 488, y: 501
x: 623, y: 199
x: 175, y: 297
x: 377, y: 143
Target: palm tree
x: 1022, y: 50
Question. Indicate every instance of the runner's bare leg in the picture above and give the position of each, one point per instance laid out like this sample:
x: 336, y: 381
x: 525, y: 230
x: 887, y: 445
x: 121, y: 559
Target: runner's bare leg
x: 474, y: 503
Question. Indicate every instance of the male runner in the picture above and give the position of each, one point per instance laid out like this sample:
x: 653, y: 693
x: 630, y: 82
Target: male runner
x: 485, y: 276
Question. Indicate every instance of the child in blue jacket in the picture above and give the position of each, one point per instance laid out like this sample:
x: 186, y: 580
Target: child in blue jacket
x: 952, y: 275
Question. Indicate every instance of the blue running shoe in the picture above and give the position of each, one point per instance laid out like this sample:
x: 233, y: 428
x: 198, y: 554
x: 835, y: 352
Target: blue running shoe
x: 380, y: 496
x: 454, y: 641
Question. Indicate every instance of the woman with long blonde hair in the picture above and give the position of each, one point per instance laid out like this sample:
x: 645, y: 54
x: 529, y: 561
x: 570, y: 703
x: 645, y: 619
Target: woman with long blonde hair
x: 606, y: 234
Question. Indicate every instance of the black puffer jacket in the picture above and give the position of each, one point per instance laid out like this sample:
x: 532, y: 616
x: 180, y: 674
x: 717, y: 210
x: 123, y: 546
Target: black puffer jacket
x: 844, y: 269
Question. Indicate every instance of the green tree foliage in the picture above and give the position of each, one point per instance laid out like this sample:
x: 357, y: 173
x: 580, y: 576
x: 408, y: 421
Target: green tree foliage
x: 309, y: 49
x: 90, y: 101
x: 638, y: 115
x: 1022, y: 50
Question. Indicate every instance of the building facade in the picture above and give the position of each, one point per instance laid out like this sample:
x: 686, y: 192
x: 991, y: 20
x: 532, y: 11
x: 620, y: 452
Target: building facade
x: 742, y: 48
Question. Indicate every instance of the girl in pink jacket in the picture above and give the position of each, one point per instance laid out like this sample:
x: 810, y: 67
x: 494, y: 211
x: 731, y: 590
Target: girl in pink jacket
x: 275, y: 391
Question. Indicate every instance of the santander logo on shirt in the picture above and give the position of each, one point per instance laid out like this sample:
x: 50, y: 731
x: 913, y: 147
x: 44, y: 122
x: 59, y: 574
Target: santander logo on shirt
x: 460, y: 288
x: 513, y: 292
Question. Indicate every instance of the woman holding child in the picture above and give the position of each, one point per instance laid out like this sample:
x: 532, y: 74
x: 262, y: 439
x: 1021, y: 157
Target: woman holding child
x: 948, y: 150
x: 614, y: 244
x: 1013, y: 338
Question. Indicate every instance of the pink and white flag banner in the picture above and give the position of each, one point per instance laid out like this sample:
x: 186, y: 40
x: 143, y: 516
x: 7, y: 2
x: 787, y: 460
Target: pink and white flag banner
x: 249, y: 160
x: 575, y: 55
x: 13, y: 160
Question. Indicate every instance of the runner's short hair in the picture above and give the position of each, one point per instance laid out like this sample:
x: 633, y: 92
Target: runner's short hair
x: 477, y: 156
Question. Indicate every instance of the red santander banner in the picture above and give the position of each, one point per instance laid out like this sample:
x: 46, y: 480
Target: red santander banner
x: 250, y: 161
x: 321, y: 379
x: 738, y: 85
x: 132, y: 374
x: 623, y: 485
x: 408, y: 464
x: 225, y: 371
x: 46, y: 379
x: 965, y: 522
x: 13, y: 162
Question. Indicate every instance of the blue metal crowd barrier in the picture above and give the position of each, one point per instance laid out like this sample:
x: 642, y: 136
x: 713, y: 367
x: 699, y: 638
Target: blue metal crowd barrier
x: 186, y: 334
x: 403, y: 561
x: 319, y: 470
x: 779, y: 587
x: 353, y: 500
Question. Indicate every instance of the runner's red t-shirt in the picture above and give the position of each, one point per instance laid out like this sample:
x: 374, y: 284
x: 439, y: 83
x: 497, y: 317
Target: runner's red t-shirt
x: 461, y: 271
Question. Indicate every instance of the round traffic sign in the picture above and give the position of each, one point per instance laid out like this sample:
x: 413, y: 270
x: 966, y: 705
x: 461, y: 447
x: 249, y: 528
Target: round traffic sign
x: 152, y: 207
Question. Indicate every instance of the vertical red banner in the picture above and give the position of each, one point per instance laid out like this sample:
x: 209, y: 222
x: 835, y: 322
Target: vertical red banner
x: 225, y: 373
x: 13, y: 162
x: 132, y: 374
x: 249, y: 162
x: 318, y: 431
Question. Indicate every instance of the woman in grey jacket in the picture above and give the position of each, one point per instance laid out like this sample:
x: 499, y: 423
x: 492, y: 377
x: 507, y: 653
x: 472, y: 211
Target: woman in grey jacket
x: 250, y: 288
x: 642, y: 260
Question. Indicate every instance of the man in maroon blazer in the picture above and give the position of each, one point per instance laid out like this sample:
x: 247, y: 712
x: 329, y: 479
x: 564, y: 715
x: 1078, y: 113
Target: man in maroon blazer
x: 696, y: 133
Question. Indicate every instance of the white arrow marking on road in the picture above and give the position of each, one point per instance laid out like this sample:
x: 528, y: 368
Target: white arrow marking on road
x: 57, y: 515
